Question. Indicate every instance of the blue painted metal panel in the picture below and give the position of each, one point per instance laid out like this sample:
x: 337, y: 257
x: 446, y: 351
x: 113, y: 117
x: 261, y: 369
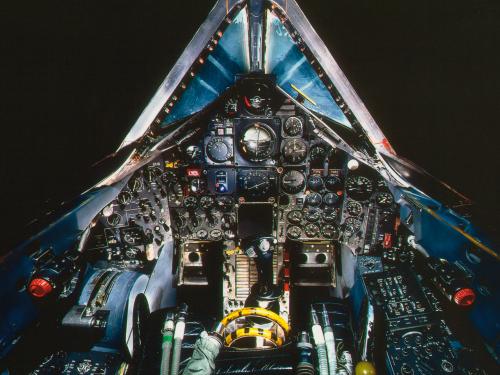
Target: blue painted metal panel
x: 284, y: 59
x: 229, y: 58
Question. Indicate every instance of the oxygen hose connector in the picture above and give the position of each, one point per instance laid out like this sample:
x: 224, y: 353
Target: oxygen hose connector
x: 319, y: 341
x: 305, y: 364
x: 166, y: 346
x: 180, y: 326
x: 329, y: 342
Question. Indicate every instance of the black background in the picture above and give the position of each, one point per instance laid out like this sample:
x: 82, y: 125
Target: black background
x: 75, y: 75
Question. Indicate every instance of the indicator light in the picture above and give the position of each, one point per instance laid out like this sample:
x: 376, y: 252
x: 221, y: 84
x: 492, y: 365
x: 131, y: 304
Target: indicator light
x: 464, y: 297
x: 39, y: 288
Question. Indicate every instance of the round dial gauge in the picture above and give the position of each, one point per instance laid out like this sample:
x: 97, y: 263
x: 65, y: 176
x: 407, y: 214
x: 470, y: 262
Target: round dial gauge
x: 206, y: 202
x: 315, y: 183
x: 333, y: 183
x: 293, y: 232
x: 135, y: 184
x: 293, y: 182
x: 219, y: 150
x: 124, y: 197
x: 231, y: 106
x: 293, y: 126
x: 352, y: 225
x: 384, y: 199
x: 311, y: 230
x: 216, y: 234
x: 224, y: 203
x: 330, y: 199
x: 150, y: 174
x: 354, y: 208
x: 313, y: 199
x: 317, y: 153
x: 114, y: 219
x: 294, y: 216
x: 294, y: 150
x: 190, y: 202
x: 169, y: 178
x: 255, y: 183
x: 330, y: 231
x: 257, y: 142
x: 330, y: 215
x: 193, y: 152
x: 359, y: 188
x: 312, y: 215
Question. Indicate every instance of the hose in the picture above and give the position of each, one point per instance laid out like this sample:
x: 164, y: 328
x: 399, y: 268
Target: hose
x: 305, y: 364
x: 329, y: 342
x: 180, y: 326
x: 346, y: 364
x: 166, y: 346
x: 206, y: 350
x: 319, y: 341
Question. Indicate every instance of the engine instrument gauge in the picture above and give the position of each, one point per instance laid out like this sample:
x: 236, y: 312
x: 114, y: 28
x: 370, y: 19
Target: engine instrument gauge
x: 313, y: 199
x: 294, y: 217
x: 294, y: 150
x: 333, y: 183
x: 330, y: 215
x: 114, y: 219
x: 150, y: 174
x: 384, y: 199
x: 124, y: 197
x: 206, y: 202
x: 135, y: 184
x: 318, y: 152
x: 219, y: 150
x: 359, y: 187
x: 293, y: 126
x: 330, y: 231
x: 312, y: 215
x: 352, y: 225
x: 330, y: 199
x: 354, y: 208
x: 293, y: 181
x: 257, y: 142
x: 193, y: 152
x: 315, y: 183
x: 293, y: 232
x: 190, y: 202
x: 311, y: 230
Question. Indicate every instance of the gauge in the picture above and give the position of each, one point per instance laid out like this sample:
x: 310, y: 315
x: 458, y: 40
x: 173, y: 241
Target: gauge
x: 384, y: 199
x: 216, y: 234
x: 352, y: 225
x: 135, y: 184
x: 330, y: 231
x: 206, y: 202
x: 257, y: 97
x: 190, y: 202
x: 150, y: 174
x: 358, y: 187
x: 132, y: 252
x: 293, y: 232
x: 294, y: 216
x: 333, y: 183
x: 255, y: 183
x: 231, y: 106
x: 311, y: 230
x: 354, y: 208
x: 330, y: 199
x: 114, y: 219
x: 124, y: 197
x: 193, y: 152
x: 257, y: 142
x: 219, y: 150
x: 197, y: 185
x: 330, y: 215
x: 293, y: 126
x: 312, y: 215
x: 315, y: 183
x: 318, y: 152
x: 224, y: 203
x: 202, y: 234
x: 313, y: 199
x: 294, y: 150
x: 293, y: 181
x: 175, y: 195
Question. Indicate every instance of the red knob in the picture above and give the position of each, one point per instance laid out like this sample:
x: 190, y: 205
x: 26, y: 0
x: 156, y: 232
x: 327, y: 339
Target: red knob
x: 39, y: 288
x: 464, y: 297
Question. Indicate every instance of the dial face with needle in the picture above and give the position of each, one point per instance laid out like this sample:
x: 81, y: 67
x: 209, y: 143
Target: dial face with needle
x: 255, y: 183
x: 294, y: 150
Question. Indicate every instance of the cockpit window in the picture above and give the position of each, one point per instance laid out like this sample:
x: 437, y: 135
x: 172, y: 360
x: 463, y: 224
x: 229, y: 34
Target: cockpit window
x: 229, y: 58
x: 294, y: 72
